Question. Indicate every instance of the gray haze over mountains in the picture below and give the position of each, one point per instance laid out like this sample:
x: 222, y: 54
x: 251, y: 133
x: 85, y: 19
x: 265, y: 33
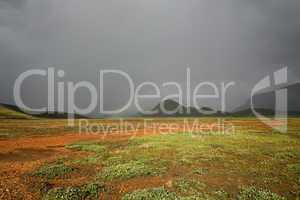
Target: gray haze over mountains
x: 151, y: 40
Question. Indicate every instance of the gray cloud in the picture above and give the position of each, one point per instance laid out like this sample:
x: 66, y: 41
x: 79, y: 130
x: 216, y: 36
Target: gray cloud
x: 151, y: 40
x: 13, y: 3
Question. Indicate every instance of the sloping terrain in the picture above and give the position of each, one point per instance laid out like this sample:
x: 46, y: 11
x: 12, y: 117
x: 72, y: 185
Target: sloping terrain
x: 13, y: 112
x: 10, y: 112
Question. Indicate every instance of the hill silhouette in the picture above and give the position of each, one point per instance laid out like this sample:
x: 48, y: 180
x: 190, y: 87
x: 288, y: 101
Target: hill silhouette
x: 8, y: 111
x: 171, y: 108
x: 264, y: 102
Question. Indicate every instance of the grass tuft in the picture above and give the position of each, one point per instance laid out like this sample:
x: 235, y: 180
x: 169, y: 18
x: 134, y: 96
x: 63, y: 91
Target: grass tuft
x: 284, y: 156
x: 188, y: 187
x: 200, y: 171
x: 221, y: 195
x: 252, y: 193
x: 294, y: 168
x: 53, y: 171
x: 129, y: 170
x: 89, y: 160
x: 87, y: 146
x: 90, y: 191
x: 153, y: 194
x: 161, y: 194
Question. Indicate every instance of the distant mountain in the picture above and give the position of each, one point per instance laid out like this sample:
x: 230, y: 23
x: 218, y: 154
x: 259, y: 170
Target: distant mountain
x: 13, y: 112
x: 171, y: 106
x: 248, y: 112
x: 264, y: 102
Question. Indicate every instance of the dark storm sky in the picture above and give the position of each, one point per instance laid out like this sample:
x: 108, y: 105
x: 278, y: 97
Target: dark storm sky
x: 151, y: 40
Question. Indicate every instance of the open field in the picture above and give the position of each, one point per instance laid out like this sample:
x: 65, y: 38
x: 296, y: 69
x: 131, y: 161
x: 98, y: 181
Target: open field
x: 46, y: 159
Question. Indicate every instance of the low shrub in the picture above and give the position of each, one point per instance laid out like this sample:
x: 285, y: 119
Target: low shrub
x: 85, y: 146
x: 188, y: 187
x: 295, y: 168
x: 53, y: 171
x: 153, y: 194
x: 90, y: 191
x: 252, y: 193
x: 129, y: 170
x: 200, y: 171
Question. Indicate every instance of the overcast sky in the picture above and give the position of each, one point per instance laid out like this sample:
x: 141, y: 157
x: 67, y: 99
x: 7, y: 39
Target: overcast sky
x: 151, y: 40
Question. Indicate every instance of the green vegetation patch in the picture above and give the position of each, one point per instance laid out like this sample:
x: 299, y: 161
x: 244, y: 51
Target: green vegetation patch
x: 161, y: 193
x: 252, y: 193
x: 129, y: 170
x: 114, y: 160
x: 93, y: 159
x: 90, y: 191
x: 195, y: 198
x: 221, y: 195
x: 295, y: 168
x: 153, y: 194
x: 87, y: 146
x: 200, y: 171
x: 188, y: 187
x: 285, y: 155
x: 184, y: 147
x: 53, y: 171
